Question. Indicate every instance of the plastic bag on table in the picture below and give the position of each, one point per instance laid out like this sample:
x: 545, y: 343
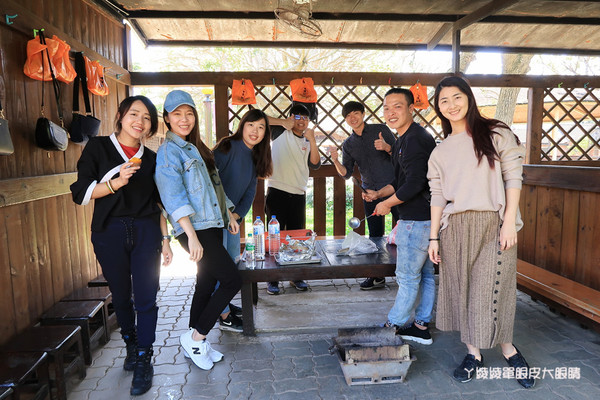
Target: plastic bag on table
x: 358, y: 244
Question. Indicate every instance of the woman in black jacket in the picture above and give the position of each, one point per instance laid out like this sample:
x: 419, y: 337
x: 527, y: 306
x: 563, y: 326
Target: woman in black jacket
x: 127, y: 227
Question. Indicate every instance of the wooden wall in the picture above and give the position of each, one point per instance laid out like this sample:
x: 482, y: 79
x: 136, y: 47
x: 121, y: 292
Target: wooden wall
x: 44, y: 237
x: 559, y: 206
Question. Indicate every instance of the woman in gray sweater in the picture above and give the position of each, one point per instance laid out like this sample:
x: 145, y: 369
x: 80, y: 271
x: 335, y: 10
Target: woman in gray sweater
x: 475, y: 176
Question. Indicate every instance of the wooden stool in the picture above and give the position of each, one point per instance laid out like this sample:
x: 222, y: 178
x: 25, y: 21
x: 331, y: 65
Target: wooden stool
x: 25, y: 373
x: 97, y: 293
x: 98, y: 281
x: 87, y: 314
x: 62, y: 343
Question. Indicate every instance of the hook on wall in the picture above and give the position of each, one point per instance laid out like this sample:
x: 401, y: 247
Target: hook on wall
x: 9, y: 17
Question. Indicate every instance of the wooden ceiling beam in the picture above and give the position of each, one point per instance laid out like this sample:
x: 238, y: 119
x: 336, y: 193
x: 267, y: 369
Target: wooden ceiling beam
x: 483, y: 12
x: 368, y: 46
x: 323, y: 16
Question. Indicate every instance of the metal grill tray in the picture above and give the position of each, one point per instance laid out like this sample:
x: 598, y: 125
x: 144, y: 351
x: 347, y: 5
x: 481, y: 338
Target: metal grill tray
x: 314, y: 260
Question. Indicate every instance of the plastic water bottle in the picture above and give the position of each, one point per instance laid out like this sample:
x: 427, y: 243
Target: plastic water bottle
x: 250, y: 263
x: 274, y: 237
x: 258, y: 229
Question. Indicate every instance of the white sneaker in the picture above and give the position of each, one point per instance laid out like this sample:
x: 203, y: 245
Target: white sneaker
x: 215, y: 355
x: 197, y: 351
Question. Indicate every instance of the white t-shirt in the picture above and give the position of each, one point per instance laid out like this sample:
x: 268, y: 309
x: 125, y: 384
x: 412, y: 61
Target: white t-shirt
x: 290, y: 163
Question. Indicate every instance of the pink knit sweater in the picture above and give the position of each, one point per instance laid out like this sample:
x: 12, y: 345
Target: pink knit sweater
x: 459, y: 183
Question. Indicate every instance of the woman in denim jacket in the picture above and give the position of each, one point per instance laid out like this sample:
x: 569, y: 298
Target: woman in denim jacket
x: 198, y: 209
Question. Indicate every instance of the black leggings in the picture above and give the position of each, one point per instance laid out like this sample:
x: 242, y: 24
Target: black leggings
x: 215, y: 266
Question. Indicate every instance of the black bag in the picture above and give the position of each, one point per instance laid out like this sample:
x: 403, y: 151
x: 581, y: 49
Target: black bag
x: 85, y: 126
x: 6, y: 145
x: 48, y: 135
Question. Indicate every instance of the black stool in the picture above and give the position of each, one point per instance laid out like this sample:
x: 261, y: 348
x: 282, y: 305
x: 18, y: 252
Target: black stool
x: 25, y: 373
x: 62, y: 343
x: 87, y: 314
x: 97, y: 293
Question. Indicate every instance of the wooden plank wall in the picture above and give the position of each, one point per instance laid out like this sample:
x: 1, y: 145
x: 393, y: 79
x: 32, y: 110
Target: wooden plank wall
x: 45, y: 244
x: 561, y: 224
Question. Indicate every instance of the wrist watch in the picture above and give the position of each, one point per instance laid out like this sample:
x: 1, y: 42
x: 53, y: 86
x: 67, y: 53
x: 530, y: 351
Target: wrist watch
x: 166, y: 237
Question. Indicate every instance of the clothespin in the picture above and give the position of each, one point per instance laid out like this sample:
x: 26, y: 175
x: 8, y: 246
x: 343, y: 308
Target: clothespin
x: 273, y: 81
x: 586, y: 85
x: 560, y: 85
x: 390, y: 81
x: 118, y: 76
x: 332, y: 80
x: 361, y: 80
x: 9, y: 17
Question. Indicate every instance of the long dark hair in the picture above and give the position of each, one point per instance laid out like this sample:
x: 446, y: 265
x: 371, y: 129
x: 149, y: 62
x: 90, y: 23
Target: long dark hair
x: 261, y: 153
x: 195, y: 139
x: 480, y: 128
x: 126, y: 105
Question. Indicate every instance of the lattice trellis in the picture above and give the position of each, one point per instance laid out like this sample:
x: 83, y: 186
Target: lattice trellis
x: 330, y: 127
x: 571, y: 128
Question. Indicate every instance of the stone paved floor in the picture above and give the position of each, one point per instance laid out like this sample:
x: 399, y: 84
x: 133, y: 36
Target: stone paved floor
x: 294, y: 363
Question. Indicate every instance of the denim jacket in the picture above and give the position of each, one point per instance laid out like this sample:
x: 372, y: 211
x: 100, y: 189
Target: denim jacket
x: 185, y: 186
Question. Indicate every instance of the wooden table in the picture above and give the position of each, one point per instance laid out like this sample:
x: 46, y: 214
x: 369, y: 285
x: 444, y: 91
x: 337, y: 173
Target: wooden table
x: 332, y: 266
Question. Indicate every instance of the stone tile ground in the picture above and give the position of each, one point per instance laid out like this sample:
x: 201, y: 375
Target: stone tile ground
x: 289, y: 358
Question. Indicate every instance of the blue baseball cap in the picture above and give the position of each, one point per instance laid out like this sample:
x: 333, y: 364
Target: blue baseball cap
x: 175, y: 98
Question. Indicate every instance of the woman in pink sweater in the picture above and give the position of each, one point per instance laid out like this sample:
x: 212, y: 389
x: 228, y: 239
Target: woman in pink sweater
x: 475, y: 176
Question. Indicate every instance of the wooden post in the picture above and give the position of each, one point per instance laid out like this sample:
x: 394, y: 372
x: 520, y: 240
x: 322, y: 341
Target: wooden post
x: 221, y: 111
x: 535, y: 119
x: 456, y: 51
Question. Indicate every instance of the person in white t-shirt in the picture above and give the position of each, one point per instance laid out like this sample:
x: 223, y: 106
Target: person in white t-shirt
x: 294, y: 151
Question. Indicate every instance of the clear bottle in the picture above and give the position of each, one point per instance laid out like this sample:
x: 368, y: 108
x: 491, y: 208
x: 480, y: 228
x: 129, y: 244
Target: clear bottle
x: 274, y: 238
x: 250, y: 262
x: 258, y: 229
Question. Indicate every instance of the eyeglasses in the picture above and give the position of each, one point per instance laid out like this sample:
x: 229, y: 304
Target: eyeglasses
x: 302, y: 117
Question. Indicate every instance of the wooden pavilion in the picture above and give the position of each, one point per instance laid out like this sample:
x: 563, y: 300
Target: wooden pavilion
x: 45, y: 245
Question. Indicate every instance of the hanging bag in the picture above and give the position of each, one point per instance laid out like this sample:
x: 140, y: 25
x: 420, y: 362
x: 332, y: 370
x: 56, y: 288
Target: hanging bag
x: 6, y: 145
x: 420, y: 95
x: 95, y: 77
x: 85, y: 126
x: 303, y: 90
x: 48, y: 135
x: 242, y: 92
x: 60, y: 61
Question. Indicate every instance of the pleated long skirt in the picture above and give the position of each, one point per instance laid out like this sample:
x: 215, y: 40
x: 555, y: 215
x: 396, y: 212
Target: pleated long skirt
x: 478, y: 281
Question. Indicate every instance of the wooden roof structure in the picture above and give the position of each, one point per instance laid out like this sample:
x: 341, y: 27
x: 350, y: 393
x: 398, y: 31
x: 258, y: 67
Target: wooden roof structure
x: 538, y: 26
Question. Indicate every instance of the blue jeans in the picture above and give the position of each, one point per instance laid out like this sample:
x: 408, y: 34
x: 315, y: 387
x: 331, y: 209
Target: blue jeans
x: 231, y: 243
x: 414, y: 273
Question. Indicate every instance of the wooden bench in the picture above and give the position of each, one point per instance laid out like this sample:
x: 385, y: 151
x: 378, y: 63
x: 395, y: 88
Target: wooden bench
x: 331, y: 267
x: 98, y: 281
x: 63, y: 345
x: 25, y: 374
x: 101, y: 293
x: 87, y: 314
x: 562, y: 291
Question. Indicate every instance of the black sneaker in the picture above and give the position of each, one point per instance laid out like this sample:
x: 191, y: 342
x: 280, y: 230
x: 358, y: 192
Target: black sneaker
x: 273, y: 287
x: 300, y: 285
x: 468, y: 368
x: 231, y: 323
x: 518, y: 363
x: 415, y: 334
x: 235, y: 310
x: 372, y: 283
